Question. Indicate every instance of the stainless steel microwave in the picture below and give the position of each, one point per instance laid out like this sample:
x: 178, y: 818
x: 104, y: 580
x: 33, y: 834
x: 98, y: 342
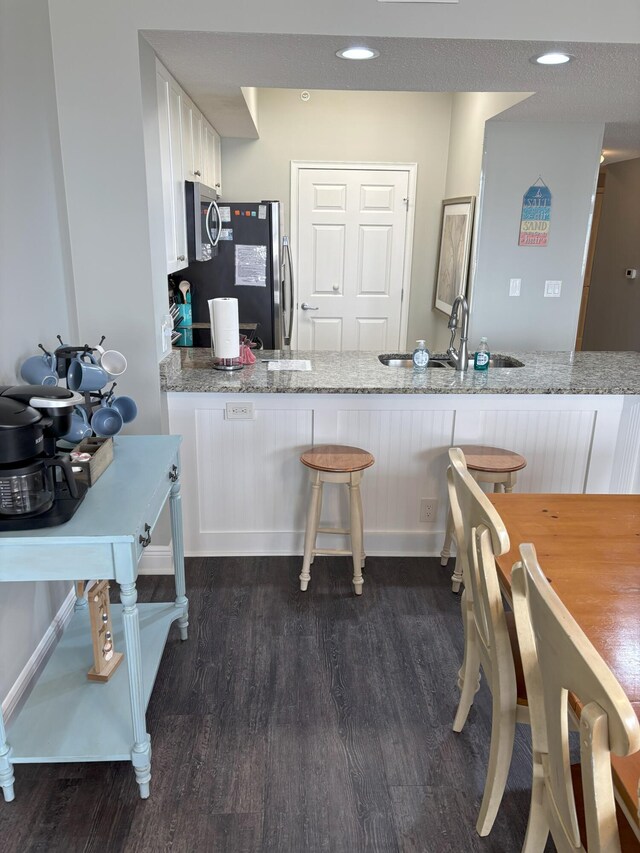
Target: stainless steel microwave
x: 203, y: 221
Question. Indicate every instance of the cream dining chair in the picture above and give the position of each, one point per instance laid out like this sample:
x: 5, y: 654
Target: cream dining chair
x: 557, y: 658
x: 489, y: 633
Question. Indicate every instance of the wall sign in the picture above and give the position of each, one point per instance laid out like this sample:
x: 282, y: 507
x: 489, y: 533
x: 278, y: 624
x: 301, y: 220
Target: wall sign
x: 536, y: 215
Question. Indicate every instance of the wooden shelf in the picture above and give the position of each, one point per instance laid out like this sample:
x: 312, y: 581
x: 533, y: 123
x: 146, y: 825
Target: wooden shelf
x: 68, y: 718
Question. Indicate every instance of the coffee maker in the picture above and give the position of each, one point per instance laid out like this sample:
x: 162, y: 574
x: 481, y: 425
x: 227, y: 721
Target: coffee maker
x: 32, y: 418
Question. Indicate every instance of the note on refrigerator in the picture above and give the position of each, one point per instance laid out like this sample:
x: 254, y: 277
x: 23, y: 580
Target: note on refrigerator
x: 251, y: 266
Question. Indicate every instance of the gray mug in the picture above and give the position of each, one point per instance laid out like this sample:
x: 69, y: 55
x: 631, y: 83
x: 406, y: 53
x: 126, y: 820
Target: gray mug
x: 126, y: 406
x: 40, y: 370
x: 79, y: 428
x: 106, y: 421
x: 86, y: 375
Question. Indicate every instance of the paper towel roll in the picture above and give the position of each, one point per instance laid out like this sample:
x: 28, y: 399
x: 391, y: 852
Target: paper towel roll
x: 225, y: 329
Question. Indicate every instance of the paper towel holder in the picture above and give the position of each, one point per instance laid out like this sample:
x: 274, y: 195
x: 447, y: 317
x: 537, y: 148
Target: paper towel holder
x: 227, y: 363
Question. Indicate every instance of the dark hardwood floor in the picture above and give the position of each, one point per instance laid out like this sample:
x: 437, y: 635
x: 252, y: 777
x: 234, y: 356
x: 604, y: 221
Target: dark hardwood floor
x: 292, y: 722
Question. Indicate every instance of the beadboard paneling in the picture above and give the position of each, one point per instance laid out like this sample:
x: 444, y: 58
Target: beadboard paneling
x: 410, y: 452
x: 249, y: 476
x: 556, y: 444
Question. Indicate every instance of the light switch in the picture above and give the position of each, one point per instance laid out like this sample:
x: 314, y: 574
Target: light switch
x: 514, y: 286
x: 552, y: 288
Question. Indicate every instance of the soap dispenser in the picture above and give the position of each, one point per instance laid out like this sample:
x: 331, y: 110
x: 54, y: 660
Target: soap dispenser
x: 421, y: 356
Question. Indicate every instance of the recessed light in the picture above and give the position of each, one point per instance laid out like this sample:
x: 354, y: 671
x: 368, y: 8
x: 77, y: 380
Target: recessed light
x: 357, y: 53
x: 552, y: 58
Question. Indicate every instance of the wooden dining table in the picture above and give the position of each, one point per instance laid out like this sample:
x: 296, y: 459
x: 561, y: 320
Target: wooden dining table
x: 589, y: 548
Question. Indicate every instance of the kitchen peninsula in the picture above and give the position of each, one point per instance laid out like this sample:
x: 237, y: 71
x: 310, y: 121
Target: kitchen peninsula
x: 574, y: 416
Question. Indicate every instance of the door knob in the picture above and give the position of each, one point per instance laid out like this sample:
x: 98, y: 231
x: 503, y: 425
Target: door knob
x: 336, y: 288
x: 306, y: 307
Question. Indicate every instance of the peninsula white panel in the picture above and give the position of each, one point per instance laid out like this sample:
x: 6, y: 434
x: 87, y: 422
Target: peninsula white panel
x: 374, y: 259
x: 555, y: 443
x: 410, y: 452
x: 248, y: 471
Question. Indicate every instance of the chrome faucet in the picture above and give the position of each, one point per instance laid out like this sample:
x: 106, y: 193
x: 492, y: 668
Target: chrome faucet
x: 459, y: 358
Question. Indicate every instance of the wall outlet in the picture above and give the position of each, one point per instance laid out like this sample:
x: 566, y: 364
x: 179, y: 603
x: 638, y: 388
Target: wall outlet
x: 552, y: 288
x: 428, y: 509
x: 240, y: 412
x: 514, y: 286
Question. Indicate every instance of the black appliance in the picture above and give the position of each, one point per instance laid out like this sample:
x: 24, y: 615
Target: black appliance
x: 32, y: 418
x: 203, y: 221
x: 252, y: 265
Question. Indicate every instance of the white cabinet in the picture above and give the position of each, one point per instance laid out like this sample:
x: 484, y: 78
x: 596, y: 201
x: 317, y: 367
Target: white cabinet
x: 189, y: 151
x: 211, y: 156
x: 192, y: 156
x: 170, y: 130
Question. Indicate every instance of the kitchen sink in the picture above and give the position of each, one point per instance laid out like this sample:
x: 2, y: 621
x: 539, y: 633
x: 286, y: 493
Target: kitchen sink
x: 405, y: 360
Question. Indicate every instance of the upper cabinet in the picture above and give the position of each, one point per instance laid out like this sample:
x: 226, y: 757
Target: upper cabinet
x: 189, y: 151
x: 211, y: 155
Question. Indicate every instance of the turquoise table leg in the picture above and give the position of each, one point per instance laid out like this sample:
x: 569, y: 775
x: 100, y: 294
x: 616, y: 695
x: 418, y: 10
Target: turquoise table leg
x: 6, y: 767
x: 141, y: 749
x: 175, y: 505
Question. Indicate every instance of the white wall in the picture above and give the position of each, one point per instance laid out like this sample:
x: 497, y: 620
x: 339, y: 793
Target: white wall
x: 352, y: 126
x: 35, y: 275
x: 567, y: 157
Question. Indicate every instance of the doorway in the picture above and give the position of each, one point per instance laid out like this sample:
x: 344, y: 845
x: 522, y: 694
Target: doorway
x: 352, y: 235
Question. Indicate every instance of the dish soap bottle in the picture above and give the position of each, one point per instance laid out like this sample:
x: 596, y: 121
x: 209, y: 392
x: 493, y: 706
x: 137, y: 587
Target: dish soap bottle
x: 482, y: 356
x: 420, y: 356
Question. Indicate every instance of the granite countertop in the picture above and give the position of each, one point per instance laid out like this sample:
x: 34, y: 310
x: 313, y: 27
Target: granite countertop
x: 191, y: 370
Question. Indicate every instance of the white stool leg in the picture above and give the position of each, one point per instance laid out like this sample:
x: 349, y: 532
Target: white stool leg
x: 356, y: 531
x: 311, y: 531
x: 364, y: 556
x: 316, y: 521
x: 510, y: 482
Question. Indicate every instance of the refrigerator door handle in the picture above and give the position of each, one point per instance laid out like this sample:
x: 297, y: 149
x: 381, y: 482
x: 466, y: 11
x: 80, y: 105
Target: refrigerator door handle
x: 285, y: 243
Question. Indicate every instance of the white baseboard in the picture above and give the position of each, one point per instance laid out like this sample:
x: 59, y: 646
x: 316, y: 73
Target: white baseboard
x: 285, y: 543
x: 40, y: 656
x: 156, y: 560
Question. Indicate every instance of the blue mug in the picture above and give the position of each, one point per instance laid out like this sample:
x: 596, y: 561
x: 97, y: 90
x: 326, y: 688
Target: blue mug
x: 126, y: 406
x: 87, y: 375
x: 106, y: 421
x: 79, y: 428
x: 40, y: 370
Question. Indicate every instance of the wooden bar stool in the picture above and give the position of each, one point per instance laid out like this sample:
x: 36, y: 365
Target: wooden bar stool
x: 486, y: 465
x: 335, y: 463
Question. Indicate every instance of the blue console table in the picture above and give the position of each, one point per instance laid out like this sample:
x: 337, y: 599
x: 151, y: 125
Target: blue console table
x: 66, y: 717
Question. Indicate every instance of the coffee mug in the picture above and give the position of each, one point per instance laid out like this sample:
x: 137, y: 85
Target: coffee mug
x: 126, y: 406
x: 112, y: 361
x: 86, y: 375
x: 106, y: 421
x: 79, y: 428
x: 40, y: 370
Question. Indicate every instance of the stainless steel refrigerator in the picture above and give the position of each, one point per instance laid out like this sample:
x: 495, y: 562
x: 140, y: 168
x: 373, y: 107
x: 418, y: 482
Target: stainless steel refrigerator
x: 253, y: 265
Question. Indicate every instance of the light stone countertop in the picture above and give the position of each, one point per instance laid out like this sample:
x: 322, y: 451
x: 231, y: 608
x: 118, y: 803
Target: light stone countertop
x: 191, y: 370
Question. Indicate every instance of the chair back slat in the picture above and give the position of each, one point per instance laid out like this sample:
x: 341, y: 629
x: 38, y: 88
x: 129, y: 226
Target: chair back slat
x: 558, y: 658
x: 480, y: 537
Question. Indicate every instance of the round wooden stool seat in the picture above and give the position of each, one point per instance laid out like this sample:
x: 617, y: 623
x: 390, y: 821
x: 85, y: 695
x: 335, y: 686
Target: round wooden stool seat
x: 492, y: 459
x: 338, y: 458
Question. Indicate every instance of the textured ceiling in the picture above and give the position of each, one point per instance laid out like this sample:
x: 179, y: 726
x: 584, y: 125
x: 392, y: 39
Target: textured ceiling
x: 602, y: 84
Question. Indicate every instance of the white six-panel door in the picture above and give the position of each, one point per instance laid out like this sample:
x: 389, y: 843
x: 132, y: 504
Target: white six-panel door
x: 353, y: 257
